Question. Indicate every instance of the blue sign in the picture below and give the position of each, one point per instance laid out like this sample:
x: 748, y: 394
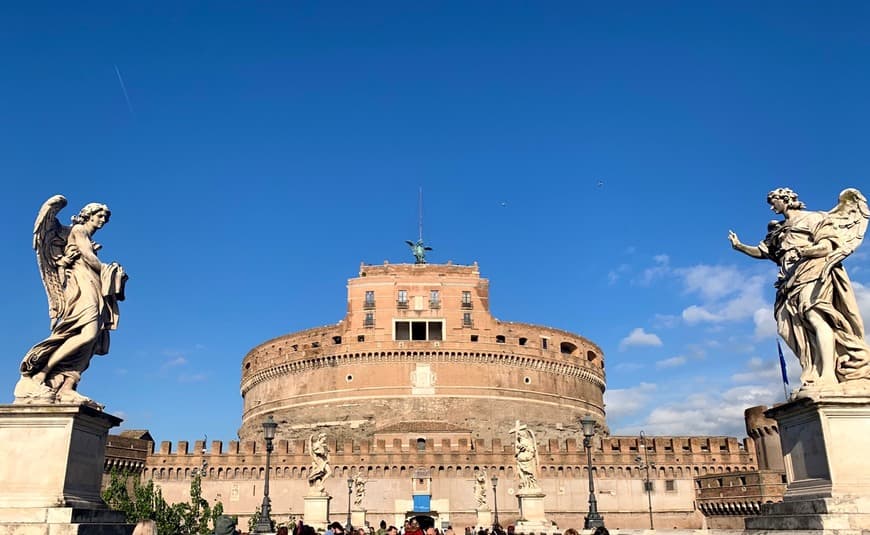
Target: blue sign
x: 422, y: 503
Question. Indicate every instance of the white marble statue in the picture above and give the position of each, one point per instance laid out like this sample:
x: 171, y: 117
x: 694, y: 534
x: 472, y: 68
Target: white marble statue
x: 480, y: 488
x: 816, y: 311
x: 320, y: 469
x: 359, y: 490
x: 526, y: 454
x: 83, y: 295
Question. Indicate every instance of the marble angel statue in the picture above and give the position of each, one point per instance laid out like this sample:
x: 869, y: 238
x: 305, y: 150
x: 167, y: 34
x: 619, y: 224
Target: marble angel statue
x: 526, y: 454
x: 480, y: 488
x: 359, y: 490
x: 320, y: 469
x: 83, y: 295
x: 816, y: 311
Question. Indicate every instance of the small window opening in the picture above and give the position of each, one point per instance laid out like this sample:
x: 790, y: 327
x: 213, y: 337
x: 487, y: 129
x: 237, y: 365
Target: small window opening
x: 499, y: 339
x: 474, y: 338
x: 523, y: 341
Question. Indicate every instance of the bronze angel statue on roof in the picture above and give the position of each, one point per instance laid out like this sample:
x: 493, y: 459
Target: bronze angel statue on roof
x: 83, y: 295
x: 418, y: 249
x: 816, y: 311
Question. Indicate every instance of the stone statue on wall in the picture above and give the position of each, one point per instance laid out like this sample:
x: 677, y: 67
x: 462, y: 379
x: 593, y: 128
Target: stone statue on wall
x: 526, y: 454
x: 480, y: 488
x: 83, y: 295
x: 418, y: 250
x: 816, y: 311
x: 320, y: 469
x: 359, y: 490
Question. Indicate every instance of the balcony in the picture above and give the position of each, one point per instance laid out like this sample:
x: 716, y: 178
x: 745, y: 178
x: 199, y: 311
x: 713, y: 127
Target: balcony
x: 402, y: 304
x: 369, y: 322
x: 466, y: 304
x: 368, y: 305
x: 435, y: 304
x: 467, y: 323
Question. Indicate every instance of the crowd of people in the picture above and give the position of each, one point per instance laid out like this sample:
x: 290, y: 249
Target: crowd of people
x: 226, y: 525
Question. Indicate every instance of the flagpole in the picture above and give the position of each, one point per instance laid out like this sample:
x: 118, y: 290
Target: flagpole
x: 782, y: 369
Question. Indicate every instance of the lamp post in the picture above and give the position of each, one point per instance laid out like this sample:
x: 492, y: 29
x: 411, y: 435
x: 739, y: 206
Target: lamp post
x: 264, y: 525
x: 593, y: 519
x: 347, y: 526
x: 643, y: 464
x: 494, y: 480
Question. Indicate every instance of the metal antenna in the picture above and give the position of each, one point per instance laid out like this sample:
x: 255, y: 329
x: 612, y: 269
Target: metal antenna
x: 420, y: 209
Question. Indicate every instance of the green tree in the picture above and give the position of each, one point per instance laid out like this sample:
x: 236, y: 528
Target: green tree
x: 147, y: 502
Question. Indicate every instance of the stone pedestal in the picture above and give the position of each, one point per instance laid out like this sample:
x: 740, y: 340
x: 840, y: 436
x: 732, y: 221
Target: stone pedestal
x: 828, y: 477
x: 358, y: 518
x: 532, y: 518
x: 52, y: 468
x: 484, y: 517
x: 316, y: 511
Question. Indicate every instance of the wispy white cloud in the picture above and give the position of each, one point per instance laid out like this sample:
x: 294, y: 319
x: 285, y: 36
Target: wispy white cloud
x: 192, y: 377
x: 174, y: 363
x: 660, y: 268
x: 665, y: 321
x: 639, y: 338
x: 622, y: 402
x: 617, y: 273
x: 672, y: 362
x: 727, y: 294
x: 765, y: 324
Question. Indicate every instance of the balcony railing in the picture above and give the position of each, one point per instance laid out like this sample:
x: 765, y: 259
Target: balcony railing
x: 401, y: 304
x: 434, y: 304
x: 368, y: 323
x: 369, y: 304
x: 466, y: 304
x: 467, y: 323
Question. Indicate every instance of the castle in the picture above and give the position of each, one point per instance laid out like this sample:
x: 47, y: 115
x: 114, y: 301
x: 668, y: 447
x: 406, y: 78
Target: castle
x: 416, y: 389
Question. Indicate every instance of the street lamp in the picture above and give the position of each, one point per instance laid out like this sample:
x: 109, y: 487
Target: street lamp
x: 644, y: 464
x: 593, y: 519
x: 347, y: 527
x: 264, y: 525
x: 494, y: 480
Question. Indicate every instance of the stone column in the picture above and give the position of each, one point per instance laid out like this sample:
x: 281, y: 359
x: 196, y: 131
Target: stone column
x: 316, y: 511
x: 52, y: 468
x: 827, y: 473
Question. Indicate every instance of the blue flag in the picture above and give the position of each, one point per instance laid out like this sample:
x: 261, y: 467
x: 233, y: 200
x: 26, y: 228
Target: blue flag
x: 782, y: 363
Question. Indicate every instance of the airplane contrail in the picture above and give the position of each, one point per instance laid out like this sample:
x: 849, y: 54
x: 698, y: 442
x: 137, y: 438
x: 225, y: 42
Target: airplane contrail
x: 124, y: 90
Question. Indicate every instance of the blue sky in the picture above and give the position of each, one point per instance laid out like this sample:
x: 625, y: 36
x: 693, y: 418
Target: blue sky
x: 590, y: 156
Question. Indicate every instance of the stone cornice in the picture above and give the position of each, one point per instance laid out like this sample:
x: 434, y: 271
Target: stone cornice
x: 472, y: 357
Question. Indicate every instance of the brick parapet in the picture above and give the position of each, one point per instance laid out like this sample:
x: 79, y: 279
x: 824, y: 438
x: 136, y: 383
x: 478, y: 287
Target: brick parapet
x: 612, y: 456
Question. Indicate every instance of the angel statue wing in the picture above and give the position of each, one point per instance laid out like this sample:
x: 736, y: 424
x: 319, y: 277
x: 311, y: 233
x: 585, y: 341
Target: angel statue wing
x: 850, y: 223
x: 49, y: 241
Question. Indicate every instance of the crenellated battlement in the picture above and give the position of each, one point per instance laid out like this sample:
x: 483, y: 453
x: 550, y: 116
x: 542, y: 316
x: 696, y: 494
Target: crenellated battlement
x: 614, y: 457
x: 663, y: 448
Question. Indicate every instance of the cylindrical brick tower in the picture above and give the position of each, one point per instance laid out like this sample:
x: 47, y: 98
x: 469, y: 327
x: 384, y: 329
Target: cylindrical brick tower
x: 418, y: 344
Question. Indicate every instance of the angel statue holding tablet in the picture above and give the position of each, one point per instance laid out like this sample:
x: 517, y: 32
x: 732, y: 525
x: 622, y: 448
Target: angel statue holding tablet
x: 816, y: 310
x: 83, y: 295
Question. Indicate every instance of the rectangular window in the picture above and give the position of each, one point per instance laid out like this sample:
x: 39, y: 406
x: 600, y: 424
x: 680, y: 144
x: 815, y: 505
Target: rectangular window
x: 421, y: 330
x: 670, y: 485
x: 418, y: 330
x: 466, y: 319
x: 370, y: 319
x: 370, y: 299
x: 403, y: 330
x: 545, y: 343
x: 466, y: 299
x: 402, y: 299
x: 434, y: 299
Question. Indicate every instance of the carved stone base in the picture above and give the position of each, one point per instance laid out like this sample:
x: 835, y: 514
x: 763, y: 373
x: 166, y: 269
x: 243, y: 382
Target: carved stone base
x: 52, y: 468
x: 358, y: 518
x: 532, y: 518
x: 316, y: 511
x: 828, y: 479
x: 484, y: 517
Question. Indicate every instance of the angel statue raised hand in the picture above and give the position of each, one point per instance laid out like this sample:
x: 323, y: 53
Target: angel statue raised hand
x: 816, y: 311
x: 83, y: 295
